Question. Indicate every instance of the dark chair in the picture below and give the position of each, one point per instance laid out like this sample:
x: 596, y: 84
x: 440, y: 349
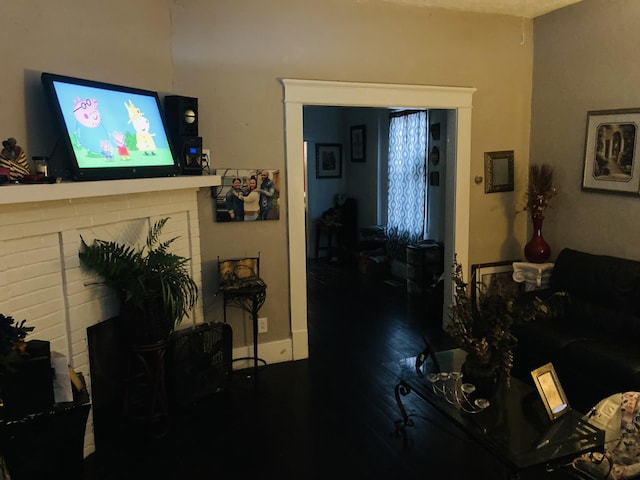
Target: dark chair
x: 242, y: 287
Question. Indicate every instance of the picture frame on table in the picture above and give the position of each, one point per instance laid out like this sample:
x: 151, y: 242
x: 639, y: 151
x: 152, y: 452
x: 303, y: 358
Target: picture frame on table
x: 359, y: 143
x: 550, y: 390
x: 610, y: 163
x: 328, y: 160
x: 494, y: 277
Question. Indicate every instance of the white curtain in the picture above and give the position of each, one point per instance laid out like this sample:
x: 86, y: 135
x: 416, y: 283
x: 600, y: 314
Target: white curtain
x: 406, y: 220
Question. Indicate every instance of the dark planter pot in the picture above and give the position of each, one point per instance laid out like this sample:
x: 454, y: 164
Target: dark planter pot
x: 484, y: 377
x: 147, y: 325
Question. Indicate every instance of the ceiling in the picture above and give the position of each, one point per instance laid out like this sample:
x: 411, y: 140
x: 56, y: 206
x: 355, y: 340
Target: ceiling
x: 518, y: 8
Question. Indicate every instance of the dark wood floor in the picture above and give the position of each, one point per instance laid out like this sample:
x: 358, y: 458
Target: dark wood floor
x: 329, y: 416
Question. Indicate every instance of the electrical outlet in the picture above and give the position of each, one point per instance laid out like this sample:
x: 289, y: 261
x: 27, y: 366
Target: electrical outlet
x: 206, y: 157
x: 262, y: 325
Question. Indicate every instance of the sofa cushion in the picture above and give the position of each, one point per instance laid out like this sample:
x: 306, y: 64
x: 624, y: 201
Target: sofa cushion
x: 596, y: 320
x: 609, y: 362
x: 543, y: 341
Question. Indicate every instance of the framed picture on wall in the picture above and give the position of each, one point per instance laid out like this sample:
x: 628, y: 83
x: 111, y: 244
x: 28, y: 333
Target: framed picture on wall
x: 498, y: 171
x: 610, y: 162
x: 247, y: 194
x: 358, y: 143
x: 328, y: 160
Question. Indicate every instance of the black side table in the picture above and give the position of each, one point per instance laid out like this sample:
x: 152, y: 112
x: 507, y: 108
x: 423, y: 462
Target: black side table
x: 331, y: 231
x: 250, y: 298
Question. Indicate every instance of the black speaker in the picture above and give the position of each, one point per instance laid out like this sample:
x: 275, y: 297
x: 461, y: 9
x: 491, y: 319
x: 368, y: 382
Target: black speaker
x: 181, y: 115
x: 189, y: 151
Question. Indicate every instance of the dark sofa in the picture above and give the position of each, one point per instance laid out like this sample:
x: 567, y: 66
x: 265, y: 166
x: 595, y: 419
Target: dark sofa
x: 594, y: 339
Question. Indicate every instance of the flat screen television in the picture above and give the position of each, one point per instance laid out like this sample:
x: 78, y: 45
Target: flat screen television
x: 109, y: 131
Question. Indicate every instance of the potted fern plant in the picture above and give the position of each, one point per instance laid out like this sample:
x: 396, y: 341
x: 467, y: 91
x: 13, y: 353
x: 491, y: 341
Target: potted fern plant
x: 154, y: 286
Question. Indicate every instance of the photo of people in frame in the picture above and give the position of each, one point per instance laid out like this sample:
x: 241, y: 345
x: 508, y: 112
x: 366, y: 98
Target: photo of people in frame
x: 248, y: 195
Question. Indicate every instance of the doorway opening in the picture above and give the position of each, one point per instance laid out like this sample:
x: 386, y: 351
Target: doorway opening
x: 297, y: 94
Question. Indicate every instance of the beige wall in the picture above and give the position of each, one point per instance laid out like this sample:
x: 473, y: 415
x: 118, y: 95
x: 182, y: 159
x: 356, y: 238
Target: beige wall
x: 585, y: 59
x: 231, y: 53
x: 231, y: 56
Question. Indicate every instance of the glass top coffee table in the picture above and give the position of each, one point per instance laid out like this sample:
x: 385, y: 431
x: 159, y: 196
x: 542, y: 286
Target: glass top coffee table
x: 512, y: 424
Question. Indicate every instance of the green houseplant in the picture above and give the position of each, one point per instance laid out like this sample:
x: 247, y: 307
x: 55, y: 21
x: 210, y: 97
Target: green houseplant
x: 26, y: 372
x: 12, y: 343
x: 155, y: 288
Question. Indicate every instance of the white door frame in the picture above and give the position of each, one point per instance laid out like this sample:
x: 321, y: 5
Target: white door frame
x: 297, y: 94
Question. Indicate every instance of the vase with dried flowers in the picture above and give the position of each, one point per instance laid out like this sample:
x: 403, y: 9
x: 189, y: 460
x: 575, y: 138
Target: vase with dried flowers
x: 540, y: 190
x: 484, y: 329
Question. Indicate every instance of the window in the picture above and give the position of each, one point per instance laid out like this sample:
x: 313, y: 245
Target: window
x: 407, y: 197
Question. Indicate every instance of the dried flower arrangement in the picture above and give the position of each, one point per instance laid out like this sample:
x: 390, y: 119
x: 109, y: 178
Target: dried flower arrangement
x: 484, y: 329
x: 540, y: 190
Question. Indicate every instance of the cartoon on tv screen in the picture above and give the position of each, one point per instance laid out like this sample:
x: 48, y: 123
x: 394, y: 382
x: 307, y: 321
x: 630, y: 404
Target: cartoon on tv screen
x: 113, y: 129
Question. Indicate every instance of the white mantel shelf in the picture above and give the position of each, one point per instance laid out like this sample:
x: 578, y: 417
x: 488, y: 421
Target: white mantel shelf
x: 24, y: 193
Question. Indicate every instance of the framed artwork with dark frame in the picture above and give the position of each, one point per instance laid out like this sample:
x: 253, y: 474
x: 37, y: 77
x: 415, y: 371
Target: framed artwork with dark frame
x: 498, y: 171
x: 491, y: 278
x: 359, y: 143
x: 328, y: 160
x: 610, y: 151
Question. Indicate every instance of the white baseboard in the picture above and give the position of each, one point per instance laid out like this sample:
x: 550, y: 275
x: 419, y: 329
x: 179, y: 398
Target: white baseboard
x: 273, y: 352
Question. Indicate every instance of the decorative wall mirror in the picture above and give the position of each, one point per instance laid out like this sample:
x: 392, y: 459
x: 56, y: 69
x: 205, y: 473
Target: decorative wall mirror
x: 498, y: 171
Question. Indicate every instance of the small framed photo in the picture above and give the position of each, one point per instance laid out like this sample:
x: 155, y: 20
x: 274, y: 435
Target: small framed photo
x: 359, y: 143
x: 610, y: 151
x: 493, y: 278
x: 551, y: 392
x: 434, y: 155
x: 498, y: 171
x: 328, y: 160
x: 434, y: 128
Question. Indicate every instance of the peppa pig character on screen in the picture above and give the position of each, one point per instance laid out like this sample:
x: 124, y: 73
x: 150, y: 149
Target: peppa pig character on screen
x: 107, y: 149
x: 121, y: 146
x: 90, y: 131
x: 144, y: 139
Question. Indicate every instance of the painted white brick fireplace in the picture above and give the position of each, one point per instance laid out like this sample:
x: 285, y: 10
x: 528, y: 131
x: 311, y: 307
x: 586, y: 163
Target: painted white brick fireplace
x: 40, y: 276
